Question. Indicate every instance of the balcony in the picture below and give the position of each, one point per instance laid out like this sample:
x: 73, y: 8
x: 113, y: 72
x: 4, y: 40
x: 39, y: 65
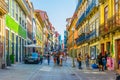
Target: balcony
x: 112, y: 25
x: 80, y: 19
x: 79, y: 3
x: 24, y: 5
x: 3, y: 7
x: 90, y: 7
x: 81, y: 39
x: 91, y: 35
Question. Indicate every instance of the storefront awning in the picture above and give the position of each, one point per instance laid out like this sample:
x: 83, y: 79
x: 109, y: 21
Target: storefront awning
x: 33, y: 45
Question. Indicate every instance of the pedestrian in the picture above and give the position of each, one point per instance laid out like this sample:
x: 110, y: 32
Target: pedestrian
x: 61, y: 59
x: 48, y: 58
x: 79, y: 59
x: 87, y: 60
x: 54, y: 57
x: 41, y: 58
x: 58, y: 58
x: 100, y: 64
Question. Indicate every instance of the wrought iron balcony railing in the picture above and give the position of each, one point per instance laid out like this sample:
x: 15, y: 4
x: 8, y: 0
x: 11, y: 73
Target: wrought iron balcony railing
x: 91, y: 6
x: 112, y: 25
x: 81, y: 39
x: 80, y: 19
x: 86, y: 13
x: 79, y: 3
x: 91, y: 35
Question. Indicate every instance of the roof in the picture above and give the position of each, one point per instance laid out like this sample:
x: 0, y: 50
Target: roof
x: 43, y: 14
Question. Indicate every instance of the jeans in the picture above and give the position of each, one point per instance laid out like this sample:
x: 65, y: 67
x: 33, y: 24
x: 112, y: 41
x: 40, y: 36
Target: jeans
x: 87, y: 63
x: 79, y: 64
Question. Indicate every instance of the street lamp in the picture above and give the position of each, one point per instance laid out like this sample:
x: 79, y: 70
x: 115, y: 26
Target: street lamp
x: 73, y: 64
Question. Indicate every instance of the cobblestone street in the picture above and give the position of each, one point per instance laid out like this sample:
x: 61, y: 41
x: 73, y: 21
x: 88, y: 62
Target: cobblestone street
x: 52, y: 72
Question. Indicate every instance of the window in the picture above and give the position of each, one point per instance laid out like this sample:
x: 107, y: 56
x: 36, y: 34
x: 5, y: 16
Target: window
x: 7, y: 1
x: 106, y: 17
x: 20, y: 16
x: 0, y: 23
x: 13, y: 8
x: 16, y: 11
x: 117, y: 10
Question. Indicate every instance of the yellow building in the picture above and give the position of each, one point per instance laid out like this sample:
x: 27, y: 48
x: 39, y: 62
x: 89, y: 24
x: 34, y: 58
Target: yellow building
x: 88, y: 28
x: 39, y: 30
x: 82, y: 22
x: 3, y: 11
x: 72, y: 35
x: 110, y: 28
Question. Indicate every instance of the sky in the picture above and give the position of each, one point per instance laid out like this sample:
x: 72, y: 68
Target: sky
x: 57, y: 11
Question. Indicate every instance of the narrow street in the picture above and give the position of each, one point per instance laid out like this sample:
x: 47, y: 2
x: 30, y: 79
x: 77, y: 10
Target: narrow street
x: 52, y: 72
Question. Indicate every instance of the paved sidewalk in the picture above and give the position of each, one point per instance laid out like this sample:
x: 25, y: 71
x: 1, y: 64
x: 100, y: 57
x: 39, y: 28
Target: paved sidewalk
x: 53, y: 72
x: 92, y: 74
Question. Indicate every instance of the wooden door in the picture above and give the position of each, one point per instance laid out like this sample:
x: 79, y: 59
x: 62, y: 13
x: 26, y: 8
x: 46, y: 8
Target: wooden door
x: 102, y: 49
x: 118, y: 50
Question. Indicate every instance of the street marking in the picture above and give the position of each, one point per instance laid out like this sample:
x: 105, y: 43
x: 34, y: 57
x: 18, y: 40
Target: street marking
x: 46, y: 68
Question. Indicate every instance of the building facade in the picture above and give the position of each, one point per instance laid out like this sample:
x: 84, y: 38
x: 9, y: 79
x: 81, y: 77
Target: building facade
x: 16, y: 30
x: 3, y: 11
x: 109, y: 29
x: 39, y: 30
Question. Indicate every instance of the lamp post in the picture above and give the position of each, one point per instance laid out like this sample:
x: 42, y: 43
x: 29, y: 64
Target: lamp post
x: 73, y: 62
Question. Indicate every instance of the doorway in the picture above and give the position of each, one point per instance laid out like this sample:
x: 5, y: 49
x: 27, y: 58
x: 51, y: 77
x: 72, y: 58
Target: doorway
x: 118, y: 50
x: 102, y: 49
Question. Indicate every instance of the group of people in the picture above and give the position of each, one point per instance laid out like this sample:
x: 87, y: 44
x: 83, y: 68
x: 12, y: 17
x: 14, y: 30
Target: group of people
x: 58, y: 57
x: 80, y: 59
x: 102, y: 61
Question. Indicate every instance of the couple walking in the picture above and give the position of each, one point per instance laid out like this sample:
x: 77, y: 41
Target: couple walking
x: 80, y: 59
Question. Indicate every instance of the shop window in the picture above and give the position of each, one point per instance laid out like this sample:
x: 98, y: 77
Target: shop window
x: 93, y: 52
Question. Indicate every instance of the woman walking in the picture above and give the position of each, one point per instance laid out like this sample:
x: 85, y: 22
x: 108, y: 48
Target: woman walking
x: 79, y: 59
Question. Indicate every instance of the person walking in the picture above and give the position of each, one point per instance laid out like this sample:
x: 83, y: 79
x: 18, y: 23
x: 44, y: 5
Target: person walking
x: 41, y: 58
x: 61, y: 59
x: 79, y: 59
x: 54, y: 58
x: 48, y: 58
x: 100, y: 63
x: 58, y: 58
x: 87, y: 60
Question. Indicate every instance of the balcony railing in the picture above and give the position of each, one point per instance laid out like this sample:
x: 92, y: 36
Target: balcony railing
x: 91, y: 6
x: 86, y: 13
x: 112, y: 25
x: 91, y: 35
x: 79, y: 3
x: 81, y: 39
x: 26, y: 4
x: 3, y: 6
x: 80, y: 19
